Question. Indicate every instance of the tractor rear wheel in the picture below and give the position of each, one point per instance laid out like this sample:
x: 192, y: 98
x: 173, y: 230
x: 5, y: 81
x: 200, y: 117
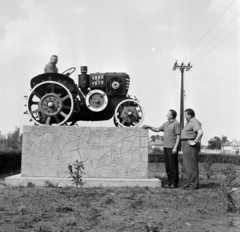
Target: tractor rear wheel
x: 50, y: 103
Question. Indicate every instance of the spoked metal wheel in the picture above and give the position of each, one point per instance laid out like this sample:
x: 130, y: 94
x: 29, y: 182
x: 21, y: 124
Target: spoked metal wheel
x: 128, y: 113
x: 50, y: 103
x: 115, y: 122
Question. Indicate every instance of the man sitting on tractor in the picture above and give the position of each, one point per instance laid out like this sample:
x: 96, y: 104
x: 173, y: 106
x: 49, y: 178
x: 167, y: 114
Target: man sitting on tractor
x: 51, y: 66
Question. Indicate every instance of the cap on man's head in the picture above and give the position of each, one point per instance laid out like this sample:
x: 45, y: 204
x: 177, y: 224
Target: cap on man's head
x: 54, y: 56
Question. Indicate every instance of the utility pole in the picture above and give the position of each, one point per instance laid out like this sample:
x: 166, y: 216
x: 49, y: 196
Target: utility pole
x: 182, y: 67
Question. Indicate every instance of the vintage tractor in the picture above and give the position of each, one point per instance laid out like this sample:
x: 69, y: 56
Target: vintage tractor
x: 55, y: 99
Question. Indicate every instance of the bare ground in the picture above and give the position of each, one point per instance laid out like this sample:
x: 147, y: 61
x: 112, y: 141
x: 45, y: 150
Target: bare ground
x: 120, y: 209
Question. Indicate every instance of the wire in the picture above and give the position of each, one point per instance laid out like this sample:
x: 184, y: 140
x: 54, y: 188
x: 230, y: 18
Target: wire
x: 216, y: 45
x: 209, y: 29
x: 167, y: 92
x: 216, y: 36
x: 158, y: 91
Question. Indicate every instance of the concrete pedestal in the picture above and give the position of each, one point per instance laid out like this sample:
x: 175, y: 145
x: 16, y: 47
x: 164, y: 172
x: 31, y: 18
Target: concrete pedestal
x: 18, y: 180
x: 111, y: 156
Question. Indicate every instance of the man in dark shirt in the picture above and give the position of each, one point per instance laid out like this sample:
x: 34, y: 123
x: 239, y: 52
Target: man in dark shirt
x: 51, y: 66
x: 171, y: 130
x: 190, y: 139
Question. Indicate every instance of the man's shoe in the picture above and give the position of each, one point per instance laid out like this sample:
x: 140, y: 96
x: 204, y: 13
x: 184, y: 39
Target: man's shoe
x: 185, y: 186
x: 167, y: 185
x: 191, y: 187
x: 173, y: 186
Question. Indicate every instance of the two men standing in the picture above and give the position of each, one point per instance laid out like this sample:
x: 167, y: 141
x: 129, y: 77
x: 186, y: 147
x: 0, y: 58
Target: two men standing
x: 190, y: 141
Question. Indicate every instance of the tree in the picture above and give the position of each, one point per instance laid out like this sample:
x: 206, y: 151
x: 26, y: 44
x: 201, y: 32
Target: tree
x: 12, y: 141
x: 216, y: 142
x: 224, y: 139
x: 154, y: 138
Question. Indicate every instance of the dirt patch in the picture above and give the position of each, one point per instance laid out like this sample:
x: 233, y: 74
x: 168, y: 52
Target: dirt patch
x: 119, y: 209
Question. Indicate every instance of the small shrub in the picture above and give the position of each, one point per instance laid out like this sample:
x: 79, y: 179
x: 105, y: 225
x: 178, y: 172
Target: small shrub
x: 152, y: 228
x: 137, y: 203
x: 227, y: 191
x: 30, y: 184
x: 229, y: 197
x: 109, y: 201
x: 208, y: 167
x: 230, y: 174
x: 49, y: 184
x: 76, y: 171
x: 132, y: 196
x: 231, y: 223
x: 23, y: 210
x: 64, y: 209
x: 93, y: 217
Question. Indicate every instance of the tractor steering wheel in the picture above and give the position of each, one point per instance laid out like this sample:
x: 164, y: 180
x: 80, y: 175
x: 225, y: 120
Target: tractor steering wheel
x: 69, y: 71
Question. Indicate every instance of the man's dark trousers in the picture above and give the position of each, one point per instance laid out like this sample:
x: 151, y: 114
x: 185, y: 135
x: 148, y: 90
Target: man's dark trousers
x: 190, y: 162
x: 171, y: 164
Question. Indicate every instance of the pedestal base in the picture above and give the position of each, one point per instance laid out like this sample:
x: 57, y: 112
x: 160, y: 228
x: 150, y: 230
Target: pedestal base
x: 18, y: 180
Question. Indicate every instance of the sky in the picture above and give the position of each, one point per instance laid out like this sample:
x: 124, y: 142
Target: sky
x: 143, y: 38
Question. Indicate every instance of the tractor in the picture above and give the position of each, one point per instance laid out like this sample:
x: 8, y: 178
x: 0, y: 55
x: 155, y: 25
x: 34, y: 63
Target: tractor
x: 55, y: 99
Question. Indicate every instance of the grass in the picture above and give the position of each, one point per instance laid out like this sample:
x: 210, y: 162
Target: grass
x: 120, y: 209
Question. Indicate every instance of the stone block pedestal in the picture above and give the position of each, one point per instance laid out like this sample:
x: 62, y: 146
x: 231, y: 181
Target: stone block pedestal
x: 111, y: 156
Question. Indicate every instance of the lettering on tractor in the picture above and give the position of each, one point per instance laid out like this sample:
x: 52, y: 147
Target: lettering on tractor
x: 55, y: 99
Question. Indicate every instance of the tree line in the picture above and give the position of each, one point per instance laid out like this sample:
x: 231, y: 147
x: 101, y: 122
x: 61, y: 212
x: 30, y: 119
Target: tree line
x: 12, y: 142
x: 214, y: 143
x: 217, y: 142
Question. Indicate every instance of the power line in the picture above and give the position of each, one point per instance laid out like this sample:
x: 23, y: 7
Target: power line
x: 209, y: 29
x: 157, y: 92
x: 216, y: 45
x: 216, y: 36
x: 167, y: 81
x: 168, y: 91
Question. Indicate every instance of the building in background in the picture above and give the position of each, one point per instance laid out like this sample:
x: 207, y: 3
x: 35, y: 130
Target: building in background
x: 231, y: 147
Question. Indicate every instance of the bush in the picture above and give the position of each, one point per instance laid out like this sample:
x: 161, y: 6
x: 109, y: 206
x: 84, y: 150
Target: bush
x: 221, y: 158
x: 203, y: 158
x: 10, y: 161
